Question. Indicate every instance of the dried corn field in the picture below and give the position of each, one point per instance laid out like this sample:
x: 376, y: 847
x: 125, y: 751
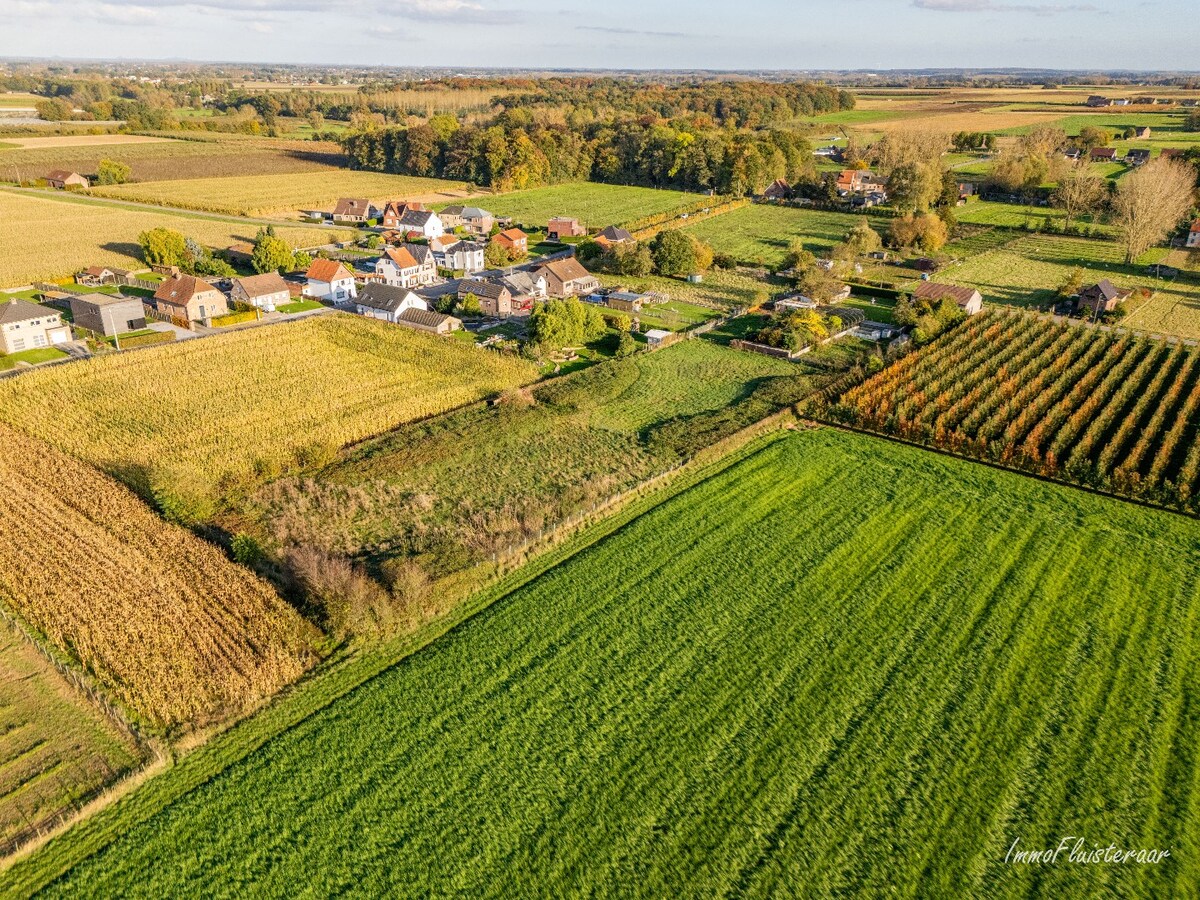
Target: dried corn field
x: 173, y: 630
x: 284, y: 193
x: 186, y: 423
x: 45, y: 237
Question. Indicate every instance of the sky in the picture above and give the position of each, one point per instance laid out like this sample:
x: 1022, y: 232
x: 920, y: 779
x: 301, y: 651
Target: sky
x: 637, y: 34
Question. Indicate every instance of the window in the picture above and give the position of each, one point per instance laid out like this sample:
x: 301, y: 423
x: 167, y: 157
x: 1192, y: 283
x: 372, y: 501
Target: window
x: 18, y: 344
x: 39, y: 340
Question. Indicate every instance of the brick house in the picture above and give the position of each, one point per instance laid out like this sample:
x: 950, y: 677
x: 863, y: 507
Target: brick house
x: 514, y: 240
x: 189, y: 298
x: 969, y: 300
x: 266, y: 291
x: 567, y: 278
x: 560, y: 227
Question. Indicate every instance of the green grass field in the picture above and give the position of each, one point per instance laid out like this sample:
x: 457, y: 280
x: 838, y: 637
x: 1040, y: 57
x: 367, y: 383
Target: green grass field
x: 448, y: 492
x: 841, y: 667
x: 595, y: 205
x: 761, y: 234
x: 1012, y: 215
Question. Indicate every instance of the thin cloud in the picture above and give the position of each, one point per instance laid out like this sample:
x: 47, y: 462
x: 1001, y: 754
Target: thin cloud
x: 633, y: 31
x: 966, y: 6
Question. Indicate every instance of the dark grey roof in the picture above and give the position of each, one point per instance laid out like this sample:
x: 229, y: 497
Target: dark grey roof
x: 1104, y: 288
x: 22, y: 311
x: 385, y: 297
x: 420, y: 252
x: 455, y: 210
x: 481, y: 288
x: 416, y: 217
x: 426, y: 317
x: 615, y: 234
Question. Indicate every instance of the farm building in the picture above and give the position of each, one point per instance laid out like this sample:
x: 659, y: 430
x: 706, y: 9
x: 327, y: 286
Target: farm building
x: 1193, y: 237
x: 969, y: 300
x: 1103, y: 154
x: 386, y: 302
x: 190, y: 299
x: 627, y: 301
x: 657, y: 337
x: 1137, y: 157
x: 96, y: 276
x: 560, y: 227
x: 62, y: 179
x: 266, y: 291
x: 108, y: 315
x: 567, y: 277
x: 1141, y: 132
x: 28, y: 326
x: 328, y: 279
x: 428, y: 320
x: 1101, y: 297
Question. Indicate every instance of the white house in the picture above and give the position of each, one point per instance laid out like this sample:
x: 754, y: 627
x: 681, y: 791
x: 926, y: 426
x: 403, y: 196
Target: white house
x: 387, y: 302
x: 461, y: 256
x: 28, y: 326
x: 266, y: 291
x: 424, y: 222
x: 329, y: 280
x: 1193, y: 238
x: 407, y: 266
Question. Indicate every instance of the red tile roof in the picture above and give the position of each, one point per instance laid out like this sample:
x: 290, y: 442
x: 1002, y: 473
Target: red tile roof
x: 327, y: 270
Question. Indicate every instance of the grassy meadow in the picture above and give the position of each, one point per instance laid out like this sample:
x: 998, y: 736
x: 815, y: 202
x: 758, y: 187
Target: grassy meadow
x: 47, y: 237
x: 187, y: 422
x: 450, y: 491
x: 595, y: 205
x: 677, y: 676
x: 760, y: 234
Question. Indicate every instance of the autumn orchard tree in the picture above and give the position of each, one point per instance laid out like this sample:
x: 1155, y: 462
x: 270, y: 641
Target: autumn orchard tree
x: 1150, y: 202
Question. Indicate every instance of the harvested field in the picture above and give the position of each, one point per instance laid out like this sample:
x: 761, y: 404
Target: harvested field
x: 164, y: 159
x: 67, y: 141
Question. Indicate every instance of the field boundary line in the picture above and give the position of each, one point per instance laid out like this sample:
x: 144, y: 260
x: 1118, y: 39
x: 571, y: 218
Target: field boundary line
x: 36, y: 866
x: 1099, y: 492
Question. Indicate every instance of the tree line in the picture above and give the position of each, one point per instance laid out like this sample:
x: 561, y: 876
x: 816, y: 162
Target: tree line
x: 516, y: 151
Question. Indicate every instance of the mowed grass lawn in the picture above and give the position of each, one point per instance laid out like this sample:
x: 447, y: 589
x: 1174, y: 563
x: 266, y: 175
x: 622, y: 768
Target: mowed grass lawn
x: 595, y: 205
x: 761, y: 234
x: 46, y: 237
x: 281, y: 193
x: 842, y: 667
